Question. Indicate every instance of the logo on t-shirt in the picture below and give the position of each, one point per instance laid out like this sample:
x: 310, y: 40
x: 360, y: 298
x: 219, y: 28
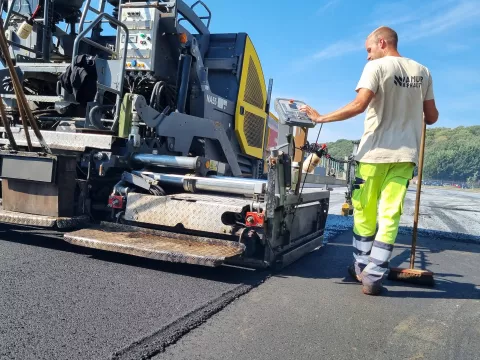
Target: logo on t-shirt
x: 408, y: 81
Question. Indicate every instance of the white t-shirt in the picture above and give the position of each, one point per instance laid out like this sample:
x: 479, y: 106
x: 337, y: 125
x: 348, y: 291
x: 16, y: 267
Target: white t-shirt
x: 394, y: 117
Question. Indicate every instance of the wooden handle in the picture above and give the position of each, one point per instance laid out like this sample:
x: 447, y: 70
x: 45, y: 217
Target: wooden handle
x: 300, y: 164
x: 417, y: 199
x: 20, y: 95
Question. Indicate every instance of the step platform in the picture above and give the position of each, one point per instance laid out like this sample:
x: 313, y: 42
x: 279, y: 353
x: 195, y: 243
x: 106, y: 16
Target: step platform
x: 23, y: 219
x: 156, y: 244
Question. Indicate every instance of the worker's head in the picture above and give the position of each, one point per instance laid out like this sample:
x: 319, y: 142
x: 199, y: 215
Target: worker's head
x: 381, y: 42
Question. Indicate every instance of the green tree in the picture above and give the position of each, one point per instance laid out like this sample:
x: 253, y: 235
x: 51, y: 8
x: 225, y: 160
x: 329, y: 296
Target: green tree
x: 472, y: 181
x: 450, y: 154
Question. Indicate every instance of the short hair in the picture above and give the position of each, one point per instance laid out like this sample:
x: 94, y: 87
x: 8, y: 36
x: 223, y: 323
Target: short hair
x: 387, y: 33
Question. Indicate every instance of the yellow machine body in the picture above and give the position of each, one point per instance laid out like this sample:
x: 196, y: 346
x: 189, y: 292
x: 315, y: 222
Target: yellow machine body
x: 250, y: 114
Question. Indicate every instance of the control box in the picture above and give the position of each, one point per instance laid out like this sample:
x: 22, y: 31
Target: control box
x: 289, y: 113
x: 142, y: 21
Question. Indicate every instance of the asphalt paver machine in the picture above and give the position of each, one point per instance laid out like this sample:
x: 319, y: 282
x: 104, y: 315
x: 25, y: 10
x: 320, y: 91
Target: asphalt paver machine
x: 149, y: 136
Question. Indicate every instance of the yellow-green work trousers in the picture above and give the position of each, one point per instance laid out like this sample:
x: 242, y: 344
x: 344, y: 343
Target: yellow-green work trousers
x: 378, y: 194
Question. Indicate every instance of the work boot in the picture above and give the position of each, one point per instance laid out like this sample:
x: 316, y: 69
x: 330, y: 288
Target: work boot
x: 372, y: 289
x: 353, y: 274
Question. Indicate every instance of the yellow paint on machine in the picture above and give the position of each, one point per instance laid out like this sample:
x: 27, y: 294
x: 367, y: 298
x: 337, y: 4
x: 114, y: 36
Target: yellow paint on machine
x: 250, y: 115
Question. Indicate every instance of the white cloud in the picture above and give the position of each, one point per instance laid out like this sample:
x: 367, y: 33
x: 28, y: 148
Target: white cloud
x: 441, y: 17
x: 338, y: 49
x: 334, y: 50
x: 326, y: 6
x: 454, y: 47
x: 464, y: 13
x: 400, y: 12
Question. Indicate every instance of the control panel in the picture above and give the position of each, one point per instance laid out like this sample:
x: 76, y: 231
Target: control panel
x: 141, y: 22
x: 289, y: 113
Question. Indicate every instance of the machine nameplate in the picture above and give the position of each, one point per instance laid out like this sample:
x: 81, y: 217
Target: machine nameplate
x: 138, y: 54
x: 26, y: 168
x: 139, y: 25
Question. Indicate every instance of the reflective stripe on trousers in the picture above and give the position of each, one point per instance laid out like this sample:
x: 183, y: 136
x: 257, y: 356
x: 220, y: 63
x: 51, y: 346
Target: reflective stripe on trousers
x: 378, y: 196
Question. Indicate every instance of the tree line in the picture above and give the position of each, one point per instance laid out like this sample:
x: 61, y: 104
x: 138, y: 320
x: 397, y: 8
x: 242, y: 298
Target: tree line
x: 450, y: 154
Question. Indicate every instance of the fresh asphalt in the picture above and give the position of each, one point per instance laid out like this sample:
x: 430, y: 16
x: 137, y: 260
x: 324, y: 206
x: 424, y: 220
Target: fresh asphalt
x: 314, y: 310
x: 62, y: 302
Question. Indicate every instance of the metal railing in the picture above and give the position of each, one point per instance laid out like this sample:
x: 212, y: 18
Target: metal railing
x: 81, y: 37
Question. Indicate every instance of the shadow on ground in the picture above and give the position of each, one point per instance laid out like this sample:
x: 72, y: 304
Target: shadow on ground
x: 433, y: 253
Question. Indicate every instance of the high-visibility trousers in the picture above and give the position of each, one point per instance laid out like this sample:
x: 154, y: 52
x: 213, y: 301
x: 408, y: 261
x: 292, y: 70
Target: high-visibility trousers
x: 378, y: 197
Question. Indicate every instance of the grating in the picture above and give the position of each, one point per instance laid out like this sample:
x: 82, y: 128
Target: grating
x: 253, y: 90
x: 253, y: 128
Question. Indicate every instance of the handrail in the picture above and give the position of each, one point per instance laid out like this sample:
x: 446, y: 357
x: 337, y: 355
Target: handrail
x: 189, y: 15
x: 9, y: 12
x: 84, y: 15
x: 81, y: 36
x: 209, y: 17
x: 87, y: 8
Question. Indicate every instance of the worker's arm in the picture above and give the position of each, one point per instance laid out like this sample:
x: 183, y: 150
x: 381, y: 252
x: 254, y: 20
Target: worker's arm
x: 430, y: 112
x: 354, y: 108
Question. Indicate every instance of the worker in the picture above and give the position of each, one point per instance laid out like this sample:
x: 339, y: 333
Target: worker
x: 397, y: 94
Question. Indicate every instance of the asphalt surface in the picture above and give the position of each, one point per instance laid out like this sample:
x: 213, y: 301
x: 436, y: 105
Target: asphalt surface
x: 454, y: 211
x: 63, y: 302
x: 313, y: 310
x: 58, y: 302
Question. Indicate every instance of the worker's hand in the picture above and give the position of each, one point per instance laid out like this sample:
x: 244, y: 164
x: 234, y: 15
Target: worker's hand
x: 311, y: 113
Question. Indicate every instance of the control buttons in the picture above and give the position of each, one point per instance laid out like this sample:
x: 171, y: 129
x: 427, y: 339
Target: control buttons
x: 142, y: 35
x: 135, y: 63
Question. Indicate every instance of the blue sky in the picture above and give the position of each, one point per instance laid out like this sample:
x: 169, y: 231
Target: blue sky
x: 314, y: 50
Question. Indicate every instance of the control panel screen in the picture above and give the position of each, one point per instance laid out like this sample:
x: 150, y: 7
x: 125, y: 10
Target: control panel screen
x: 289, y: 113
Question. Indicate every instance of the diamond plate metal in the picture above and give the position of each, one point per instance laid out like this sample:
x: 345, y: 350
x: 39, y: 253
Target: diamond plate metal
x: 63, y: 140
x: 233, y: 201
x: 194, y: 211
x: 73, y: 222
x: 154, y: 244
x: 10, y: 217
